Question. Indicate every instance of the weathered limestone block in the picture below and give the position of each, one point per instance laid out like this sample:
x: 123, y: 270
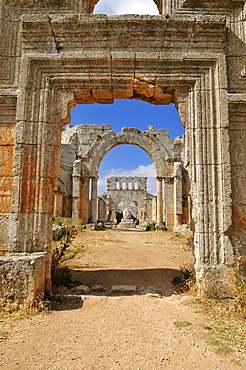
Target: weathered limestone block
x: 216, y: 281
x: 22, y: 278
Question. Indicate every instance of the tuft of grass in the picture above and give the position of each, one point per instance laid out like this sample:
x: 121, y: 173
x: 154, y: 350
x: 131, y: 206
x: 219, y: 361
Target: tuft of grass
x: 179, y: 324
x: 235, y: 362
x: 177, y: 236
x: 225, y: 339
x: 240, y: 284
x: 26, y: 309
x: 73, y: 251
x: 185, y: 279
x: 4, y: 336
x: 188, y: 246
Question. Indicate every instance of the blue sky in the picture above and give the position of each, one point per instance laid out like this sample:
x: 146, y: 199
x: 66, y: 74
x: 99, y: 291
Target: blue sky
x: 111, y: 7
x: 128, y: 160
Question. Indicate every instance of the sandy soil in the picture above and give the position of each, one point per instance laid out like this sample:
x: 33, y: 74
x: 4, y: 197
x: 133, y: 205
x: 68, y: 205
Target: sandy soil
x: 104, y: 330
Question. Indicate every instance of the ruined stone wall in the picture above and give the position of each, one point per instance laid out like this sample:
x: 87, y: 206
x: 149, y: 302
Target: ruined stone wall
x: 132, y: 193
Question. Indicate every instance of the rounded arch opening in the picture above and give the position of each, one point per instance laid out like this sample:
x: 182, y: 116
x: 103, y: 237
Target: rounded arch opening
x: 126, y: 161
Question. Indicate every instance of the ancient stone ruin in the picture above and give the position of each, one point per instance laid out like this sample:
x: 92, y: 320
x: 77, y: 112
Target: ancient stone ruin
x: 82, y: 149
x: 126, y: 193
x: 56, y: 54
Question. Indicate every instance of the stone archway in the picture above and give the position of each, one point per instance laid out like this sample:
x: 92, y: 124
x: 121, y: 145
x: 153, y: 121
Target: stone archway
x: 57, y: 53
x: 164, y: 153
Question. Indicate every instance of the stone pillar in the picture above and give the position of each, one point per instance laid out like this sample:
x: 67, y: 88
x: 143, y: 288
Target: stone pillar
x: 84, y: 200
x: 177, y: 198
x: 159, y: 201
x: 169, y: 203
x: 80, y: 203
x: 76, y: 188
x: 93, y: 207
x: 107, y: 207
x: 154, y: 205
x: 145, y: 208
x: 58, y: 203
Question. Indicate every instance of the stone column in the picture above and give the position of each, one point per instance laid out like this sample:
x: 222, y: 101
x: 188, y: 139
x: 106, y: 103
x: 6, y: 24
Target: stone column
x: 159, y: 201
x: 169, y: 203
x: 93, y: 207
x: 84, y: 200
x: 58, y: 203
x: 145, y: 208
x: 177, y: 199
x: 154, y: 205
x: 107, y: 208
x: 76, y: 188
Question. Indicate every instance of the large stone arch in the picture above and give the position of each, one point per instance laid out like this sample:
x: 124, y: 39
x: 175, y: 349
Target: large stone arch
x: 158, y: 153
x: 55, y: 53
x: 162, y: 159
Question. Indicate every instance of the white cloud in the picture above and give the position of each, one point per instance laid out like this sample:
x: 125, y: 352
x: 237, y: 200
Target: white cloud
x: 111, y: 7
x: 144, y: 171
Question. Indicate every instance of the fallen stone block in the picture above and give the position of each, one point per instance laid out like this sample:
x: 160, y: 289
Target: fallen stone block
x: 81, y: 289
x: 123, y: 289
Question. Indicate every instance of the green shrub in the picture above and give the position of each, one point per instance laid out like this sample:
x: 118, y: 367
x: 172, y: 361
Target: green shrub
x: 184, y: 279
x: 151, y: 226
x: 59, y: 274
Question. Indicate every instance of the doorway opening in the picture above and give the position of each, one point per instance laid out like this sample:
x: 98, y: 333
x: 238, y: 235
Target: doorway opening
x: 155, y: 136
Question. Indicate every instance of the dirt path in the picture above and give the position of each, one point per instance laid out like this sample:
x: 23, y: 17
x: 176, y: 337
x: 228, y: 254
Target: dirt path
x: 137, y: 258
x: 110, y: 331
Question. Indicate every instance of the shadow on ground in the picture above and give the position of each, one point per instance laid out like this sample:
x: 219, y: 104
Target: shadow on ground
x: 159, y: 279
x: 61, y: 302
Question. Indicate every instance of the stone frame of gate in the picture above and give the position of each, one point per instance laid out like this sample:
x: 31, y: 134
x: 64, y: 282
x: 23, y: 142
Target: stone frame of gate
x: 53, y: 81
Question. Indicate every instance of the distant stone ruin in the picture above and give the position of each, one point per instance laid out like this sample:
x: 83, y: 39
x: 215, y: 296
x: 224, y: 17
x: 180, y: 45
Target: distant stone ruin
x: 56, y: 54
x: 127, y: 193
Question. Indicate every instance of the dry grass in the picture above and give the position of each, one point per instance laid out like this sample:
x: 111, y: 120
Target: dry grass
x: 19, y: 310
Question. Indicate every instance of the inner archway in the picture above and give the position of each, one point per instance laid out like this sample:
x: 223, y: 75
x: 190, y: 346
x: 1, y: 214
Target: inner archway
x: 132, y: 177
